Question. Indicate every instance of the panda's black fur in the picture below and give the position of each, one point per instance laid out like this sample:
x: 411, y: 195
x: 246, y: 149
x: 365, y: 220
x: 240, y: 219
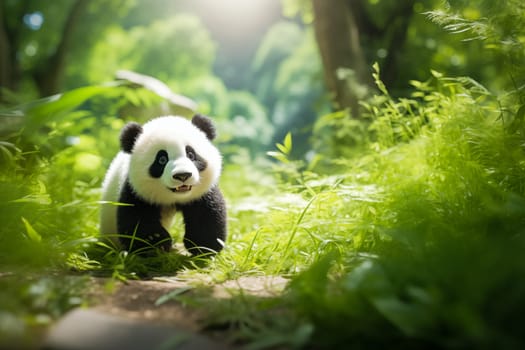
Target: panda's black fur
x: 165, y: 166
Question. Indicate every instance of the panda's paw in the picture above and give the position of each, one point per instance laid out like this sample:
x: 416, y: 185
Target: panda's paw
x: 164, y: 245
x: 147, y: 244
x: 161, y: 242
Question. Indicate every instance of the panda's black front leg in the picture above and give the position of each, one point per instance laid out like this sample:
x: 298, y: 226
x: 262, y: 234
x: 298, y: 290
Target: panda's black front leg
x: 139, y: 224
x: 205, y: 223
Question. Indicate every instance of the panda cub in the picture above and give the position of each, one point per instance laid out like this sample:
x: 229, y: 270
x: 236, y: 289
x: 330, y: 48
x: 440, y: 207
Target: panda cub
x: 167, y: 165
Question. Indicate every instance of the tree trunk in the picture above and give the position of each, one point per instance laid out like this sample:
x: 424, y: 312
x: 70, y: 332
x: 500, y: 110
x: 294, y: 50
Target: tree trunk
x: 337, y: 35
x: 48, y: 75
x: 10, y: 70
x: 398, y: 28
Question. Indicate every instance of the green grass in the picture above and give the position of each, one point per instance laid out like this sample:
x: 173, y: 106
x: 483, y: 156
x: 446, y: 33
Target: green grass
x: 416, y: 243
x: 409, y: 236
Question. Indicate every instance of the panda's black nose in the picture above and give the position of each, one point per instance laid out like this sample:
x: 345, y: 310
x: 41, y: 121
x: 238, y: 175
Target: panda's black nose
x: 182, y: 176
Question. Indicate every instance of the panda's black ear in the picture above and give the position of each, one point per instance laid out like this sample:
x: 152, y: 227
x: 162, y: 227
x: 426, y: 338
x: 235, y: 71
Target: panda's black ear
x: 129, y: 135
x: 204, y: 124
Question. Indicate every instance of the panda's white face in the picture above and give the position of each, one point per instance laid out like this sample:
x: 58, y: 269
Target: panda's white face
x: 172, y: 161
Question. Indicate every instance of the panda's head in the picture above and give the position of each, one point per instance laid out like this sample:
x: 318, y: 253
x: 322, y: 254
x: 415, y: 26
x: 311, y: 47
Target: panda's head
x: 172, y: 160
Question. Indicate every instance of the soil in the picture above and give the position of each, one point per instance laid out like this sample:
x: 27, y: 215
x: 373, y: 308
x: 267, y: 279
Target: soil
x: 141, y: 310
x: 137, y: 300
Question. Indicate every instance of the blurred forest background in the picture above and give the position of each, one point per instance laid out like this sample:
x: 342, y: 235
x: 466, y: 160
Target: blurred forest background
x: 374, y: 155
x: 256, y: 66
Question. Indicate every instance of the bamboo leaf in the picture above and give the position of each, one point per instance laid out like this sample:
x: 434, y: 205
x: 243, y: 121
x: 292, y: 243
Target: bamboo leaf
x: 31, y: 232
x: 279, y: 156
x: 288, y: 142
x: 172, y: 295
x: 282, y: 148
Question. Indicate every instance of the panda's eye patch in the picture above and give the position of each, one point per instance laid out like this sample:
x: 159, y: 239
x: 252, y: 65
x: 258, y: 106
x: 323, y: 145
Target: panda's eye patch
x: 157, y: 167
x: 162, y: 159
x: 199, y: 162
x: 190, y: 153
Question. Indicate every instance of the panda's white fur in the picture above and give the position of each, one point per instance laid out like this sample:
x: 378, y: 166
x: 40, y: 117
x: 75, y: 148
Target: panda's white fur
x: 111, y: 187
x: 172, y: 134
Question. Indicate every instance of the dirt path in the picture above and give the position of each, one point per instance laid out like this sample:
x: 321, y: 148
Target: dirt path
x: 130, y: 315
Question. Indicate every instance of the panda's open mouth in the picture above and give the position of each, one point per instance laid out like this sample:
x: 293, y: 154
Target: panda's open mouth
x: 181, y: 188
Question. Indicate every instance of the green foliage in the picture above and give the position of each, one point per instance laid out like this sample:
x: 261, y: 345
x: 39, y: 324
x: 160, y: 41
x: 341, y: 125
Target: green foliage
x: 403, y: 230
x: 284, y: 149
x: 211, y: 94
x: 43, y: 37
x: 300, y: 8
x: 498, y: 26
x: 30, y: 302
x: 182, y: 50
x: 278, y: 44
x: 446, y: 236
x: 248, y: 125
x: 414, y: 244
x: 336, y: 135
x: 51, y: 167
x: 288, y: 80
